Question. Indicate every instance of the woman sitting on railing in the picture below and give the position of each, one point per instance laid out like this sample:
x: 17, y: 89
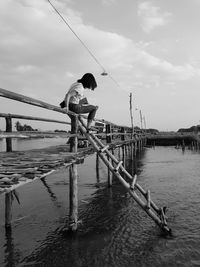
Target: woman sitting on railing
x: 75, y: 100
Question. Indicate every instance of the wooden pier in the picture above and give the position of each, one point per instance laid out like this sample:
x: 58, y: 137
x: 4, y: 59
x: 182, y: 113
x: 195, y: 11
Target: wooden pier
x: 17, y: 168
x: 179, y: 140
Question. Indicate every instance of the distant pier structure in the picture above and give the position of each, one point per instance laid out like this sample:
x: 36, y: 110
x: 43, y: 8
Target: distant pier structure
x: 176, y: 139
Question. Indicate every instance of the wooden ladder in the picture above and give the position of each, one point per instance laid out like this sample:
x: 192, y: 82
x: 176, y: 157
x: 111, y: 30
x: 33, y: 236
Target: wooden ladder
x: 116, y: 167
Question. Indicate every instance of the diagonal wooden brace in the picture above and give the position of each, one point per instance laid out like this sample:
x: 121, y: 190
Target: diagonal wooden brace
x: 148, y: 199
x: 118, y: 166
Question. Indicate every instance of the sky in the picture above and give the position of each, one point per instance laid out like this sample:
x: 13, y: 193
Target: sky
x: 148, y: 48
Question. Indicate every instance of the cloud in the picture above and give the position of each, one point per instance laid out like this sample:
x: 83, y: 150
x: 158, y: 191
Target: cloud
x: 37, y: 50
x: 151, y: 16
x: 108, y: 2
x: 165, y: 68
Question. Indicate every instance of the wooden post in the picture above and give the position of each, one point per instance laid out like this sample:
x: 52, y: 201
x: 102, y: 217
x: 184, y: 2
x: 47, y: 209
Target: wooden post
x: 8, y: 129
x: 108, y: 141
x: 140, y: 144
x: 97, y: 167
x: 123, y: 155
x: 131, y: 114
x: 8, y: 209
x: 108, y: 132
x: 74, y: 130
x: 131, y: 150
x: 119, y: 154
x: 148, y: 199
x: 73, y: 216
x: 73, y: 179
x: 109, y: 174
x: 122, y: 136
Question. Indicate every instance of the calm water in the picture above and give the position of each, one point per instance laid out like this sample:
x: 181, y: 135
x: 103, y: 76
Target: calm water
x: 26, y: 144
x: 113, y: 230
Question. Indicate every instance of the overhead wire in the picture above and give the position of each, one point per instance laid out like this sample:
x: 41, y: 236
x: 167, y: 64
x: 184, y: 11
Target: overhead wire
x: 85, y: 46
x: 104, y: 73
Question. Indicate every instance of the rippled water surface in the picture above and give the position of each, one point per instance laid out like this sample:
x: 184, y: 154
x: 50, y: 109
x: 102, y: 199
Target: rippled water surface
x: 113, y: 230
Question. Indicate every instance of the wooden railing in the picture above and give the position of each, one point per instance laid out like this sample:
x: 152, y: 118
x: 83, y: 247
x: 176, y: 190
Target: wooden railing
x: 123, y: 131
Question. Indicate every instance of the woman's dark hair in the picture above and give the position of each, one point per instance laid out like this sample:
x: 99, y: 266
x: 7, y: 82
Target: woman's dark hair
x: 88, y: 81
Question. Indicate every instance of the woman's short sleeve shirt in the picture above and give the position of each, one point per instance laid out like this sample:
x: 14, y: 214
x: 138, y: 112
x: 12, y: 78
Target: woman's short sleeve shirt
x: 77, y: 92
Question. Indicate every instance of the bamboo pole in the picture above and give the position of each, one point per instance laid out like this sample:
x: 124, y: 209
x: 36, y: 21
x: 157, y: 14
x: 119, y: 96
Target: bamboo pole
x: 119, y: 154
x: 108, y: 141
x: 109, y: 179
x: 108, y: 134
x: 9, y: 130
x: 73, y: 179
x: 8, y: 209
x: 122, y: 134
x: 73, y: 213
x: 141, y: 120
x: 97, y: 167
x: 31, y: 101
x: 16, y: 116
x: 148, y: 199
x: 131, y: 114
x: 124, y: 155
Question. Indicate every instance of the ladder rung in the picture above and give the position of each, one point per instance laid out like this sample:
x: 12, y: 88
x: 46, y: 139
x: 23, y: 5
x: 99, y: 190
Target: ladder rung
x: 162, y: 216
x: 103, y: 149
x: 148, y: 199
x: 118, y: 166
x: 133, y: 182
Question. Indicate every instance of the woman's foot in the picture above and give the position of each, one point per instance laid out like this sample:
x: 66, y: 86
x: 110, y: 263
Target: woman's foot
x: 89, y: 126
x: 88, y: 130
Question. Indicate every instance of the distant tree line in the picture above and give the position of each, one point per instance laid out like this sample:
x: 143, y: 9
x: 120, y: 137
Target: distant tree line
x: 152, y: 131
x: 60, y: 131
x: 22, y: 128
x: 191, y: 129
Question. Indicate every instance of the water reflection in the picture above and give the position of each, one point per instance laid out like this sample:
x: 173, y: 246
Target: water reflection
x: 12, y: 255
x: 100, y: 217
x: 51, y: 193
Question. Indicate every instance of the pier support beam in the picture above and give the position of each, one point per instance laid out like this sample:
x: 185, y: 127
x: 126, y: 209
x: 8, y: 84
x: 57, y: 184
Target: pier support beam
x: 73, y: 179
x: 97, y: 167
x: 8, y: 209
x: 73, y: 209
x: 9, y: 130
x: 108, y: 141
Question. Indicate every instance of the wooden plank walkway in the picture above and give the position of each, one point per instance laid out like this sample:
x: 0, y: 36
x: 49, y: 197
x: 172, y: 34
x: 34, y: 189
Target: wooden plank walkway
x: 18, y: 168
x: 22, y: 167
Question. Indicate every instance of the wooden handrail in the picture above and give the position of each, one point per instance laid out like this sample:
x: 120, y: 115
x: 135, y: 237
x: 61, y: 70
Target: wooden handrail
x: 16, y: 116
x: 24, y: 134
x: 21, y: 134
x: 32, y: 101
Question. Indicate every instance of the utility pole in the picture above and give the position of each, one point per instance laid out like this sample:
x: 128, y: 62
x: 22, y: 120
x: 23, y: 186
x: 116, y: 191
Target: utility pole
x: 145, y: 127
x: 141, y: 120
x: 131, y: 113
